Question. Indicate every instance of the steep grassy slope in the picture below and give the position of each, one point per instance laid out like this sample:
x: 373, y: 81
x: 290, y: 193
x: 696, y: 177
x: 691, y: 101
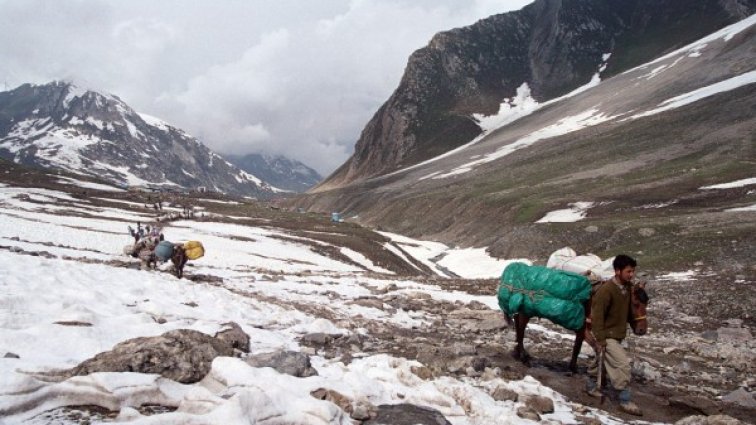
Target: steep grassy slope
x: 645, y: 179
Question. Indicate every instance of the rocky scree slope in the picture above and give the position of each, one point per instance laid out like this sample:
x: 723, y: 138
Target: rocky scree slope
x: 553, y: 45
x: 60, y: 125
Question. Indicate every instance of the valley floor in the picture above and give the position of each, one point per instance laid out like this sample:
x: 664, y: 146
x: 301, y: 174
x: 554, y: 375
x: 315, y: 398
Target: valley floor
x: 384, y: 320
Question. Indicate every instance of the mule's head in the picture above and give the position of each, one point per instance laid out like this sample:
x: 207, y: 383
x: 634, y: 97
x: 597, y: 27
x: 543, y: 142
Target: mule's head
x: 638, y: 304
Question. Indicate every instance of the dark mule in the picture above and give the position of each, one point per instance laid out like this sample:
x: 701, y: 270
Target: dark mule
x: 638, y: 322
x: 179, y: 260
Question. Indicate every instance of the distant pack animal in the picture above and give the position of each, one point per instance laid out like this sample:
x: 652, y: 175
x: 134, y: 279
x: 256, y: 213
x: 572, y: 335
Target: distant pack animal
x: 638, y: 322
x: 179, y: 260
x: 164, y: 250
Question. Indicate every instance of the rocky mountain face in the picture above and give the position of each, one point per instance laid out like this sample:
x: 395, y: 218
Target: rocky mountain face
x: 278, y: 171
x: 59, y: 125
x: 554, y: 46
x: 655, y: 161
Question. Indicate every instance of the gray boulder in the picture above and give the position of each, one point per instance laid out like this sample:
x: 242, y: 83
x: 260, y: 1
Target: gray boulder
x: 733, y: 335
x: 502, y: 393
x: 234, y: 336
x: 407, y: 414
x: 538, y: 403
x: 183, y: 355
x: 526, y: 412
x: 697, y: 403
x: 741, y: 397
x: 709, y: 420
x: 317, y: 338
x: 289, y: 362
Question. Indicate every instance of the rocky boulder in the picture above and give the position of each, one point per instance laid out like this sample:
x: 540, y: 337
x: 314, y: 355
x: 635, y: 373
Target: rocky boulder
x: 709, y: 420
x: 407, y: 414
x: 289, y: 362
x: 183, y: 355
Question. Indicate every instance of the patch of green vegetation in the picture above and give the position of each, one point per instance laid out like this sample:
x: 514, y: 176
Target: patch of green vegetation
x: 528, y: 211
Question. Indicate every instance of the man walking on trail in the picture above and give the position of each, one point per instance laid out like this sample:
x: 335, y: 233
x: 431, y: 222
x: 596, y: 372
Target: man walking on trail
x: 610, y: 314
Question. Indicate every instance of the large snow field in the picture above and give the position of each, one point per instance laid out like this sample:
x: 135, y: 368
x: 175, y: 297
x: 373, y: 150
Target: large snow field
x: 57, y: 312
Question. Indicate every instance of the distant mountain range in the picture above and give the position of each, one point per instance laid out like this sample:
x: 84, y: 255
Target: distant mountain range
x: 279, y: 171
x: 60, y: 125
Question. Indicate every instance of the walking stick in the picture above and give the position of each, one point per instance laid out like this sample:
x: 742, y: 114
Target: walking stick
x: 600, y: 373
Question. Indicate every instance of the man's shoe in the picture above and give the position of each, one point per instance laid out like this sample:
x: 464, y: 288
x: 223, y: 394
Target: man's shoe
x: 592, y: 389
x: 631, y: 408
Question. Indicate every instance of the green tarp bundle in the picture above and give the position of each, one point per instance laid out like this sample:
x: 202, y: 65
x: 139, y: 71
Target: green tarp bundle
x: 541, y: 292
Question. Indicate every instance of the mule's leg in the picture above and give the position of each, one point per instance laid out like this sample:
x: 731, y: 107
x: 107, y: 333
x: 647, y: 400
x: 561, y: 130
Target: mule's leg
x: 180, y: 263
x: 579, y: 338
x: 521, y: 321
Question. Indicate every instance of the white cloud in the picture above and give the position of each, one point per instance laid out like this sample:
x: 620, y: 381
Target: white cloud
x: 143, y: 34
x: 297, y: 78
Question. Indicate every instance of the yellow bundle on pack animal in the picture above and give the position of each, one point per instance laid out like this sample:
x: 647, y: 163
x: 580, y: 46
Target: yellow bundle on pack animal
x: 194, y: 250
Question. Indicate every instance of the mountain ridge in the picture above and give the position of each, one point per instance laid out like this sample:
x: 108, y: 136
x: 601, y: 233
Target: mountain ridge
x: 61, y: 125
x: 555, y: 46
x: 279, y: 171
x: 637, y: 147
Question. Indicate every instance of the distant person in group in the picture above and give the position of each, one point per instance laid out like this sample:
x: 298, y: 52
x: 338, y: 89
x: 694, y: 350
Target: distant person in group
x: 610, y: 314
x: 138, y: 233
x: 145, y: 251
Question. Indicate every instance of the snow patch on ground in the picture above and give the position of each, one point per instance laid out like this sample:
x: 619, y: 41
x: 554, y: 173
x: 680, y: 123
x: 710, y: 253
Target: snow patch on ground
x: 576, y: 212
x: 475, y: 263
x: 471, y: 263
x: 679, y: 276
x: 363, y: 261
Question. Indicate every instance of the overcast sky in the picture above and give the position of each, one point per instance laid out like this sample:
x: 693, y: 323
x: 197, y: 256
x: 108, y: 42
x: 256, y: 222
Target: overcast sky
x: 298, y: 78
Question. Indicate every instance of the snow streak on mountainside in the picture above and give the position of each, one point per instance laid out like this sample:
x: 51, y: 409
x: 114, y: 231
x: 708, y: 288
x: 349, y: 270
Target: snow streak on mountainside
x: 60, y: 125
